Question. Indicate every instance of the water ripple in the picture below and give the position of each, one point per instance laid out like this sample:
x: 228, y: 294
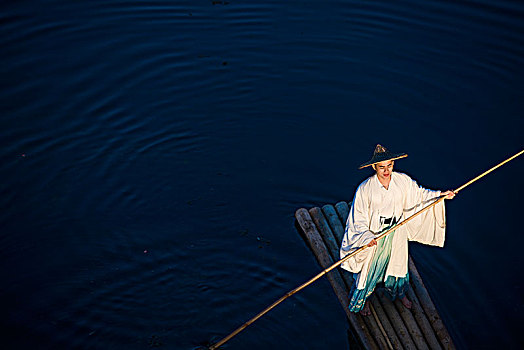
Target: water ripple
x: 122, y: 118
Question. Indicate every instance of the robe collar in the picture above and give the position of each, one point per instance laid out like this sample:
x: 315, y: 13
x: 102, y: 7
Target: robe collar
x: 381, y: 185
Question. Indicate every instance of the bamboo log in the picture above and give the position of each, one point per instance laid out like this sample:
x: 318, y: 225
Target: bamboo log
x: 429, y: 308
x: 334, y: 222
x: 393, y: 316
x: 388, y: 326
x: 332, y: 246
x: 411, y: 325
x: 422, y: 321
x: 375, y: 330
x: 374, y: 325
x: 342, y: 209
x: 396, y: 320
x: 352, y: 341
x: 337, y: 231
x: 326, y: 233
x: 325, y: 260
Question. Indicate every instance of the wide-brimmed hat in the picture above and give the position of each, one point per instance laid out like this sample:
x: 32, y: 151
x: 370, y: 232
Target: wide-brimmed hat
x: 382, y: 154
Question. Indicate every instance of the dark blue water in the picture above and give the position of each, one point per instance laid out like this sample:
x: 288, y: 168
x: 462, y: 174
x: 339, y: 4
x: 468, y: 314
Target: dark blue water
x: 153, y: 155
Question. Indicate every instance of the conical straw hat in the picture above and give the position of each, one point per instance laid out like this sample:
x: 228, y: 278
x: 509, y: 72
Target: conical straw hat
x: 382, y: 154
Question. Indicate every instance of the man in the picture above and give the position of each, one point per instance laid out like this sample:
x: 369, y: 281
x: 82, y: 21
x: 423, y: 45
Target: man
x: 380, y: 202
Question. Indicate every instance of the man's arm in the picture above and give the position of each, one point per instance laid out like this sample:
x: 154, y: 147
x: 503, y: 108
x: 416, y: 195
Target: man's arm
x: 358, y: 233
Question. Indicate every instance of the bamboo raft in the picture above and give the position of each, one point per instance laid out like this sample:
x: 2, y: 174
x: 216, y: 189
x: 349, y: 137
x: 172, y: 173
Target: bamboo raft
x: 390, y: 325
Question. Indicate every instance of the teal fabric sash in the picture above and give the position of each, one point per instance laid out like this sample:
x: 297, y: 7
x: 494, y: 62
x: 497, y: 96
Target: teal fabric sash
x: 395, y: 287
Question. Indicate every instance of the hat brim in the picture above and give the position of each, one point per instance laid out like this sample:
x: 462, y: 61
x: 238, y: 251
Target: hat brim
x: 379, y: 159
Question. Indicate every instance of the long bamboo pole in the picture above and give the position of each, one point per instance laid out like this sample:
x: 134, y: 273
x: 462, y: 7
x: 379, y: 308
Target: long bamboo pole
x: 338, y: 263
x: 488, y: 171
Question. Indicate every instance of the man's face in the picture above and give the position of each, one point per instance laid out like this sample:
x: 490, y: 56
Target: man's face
x: 384, y: 169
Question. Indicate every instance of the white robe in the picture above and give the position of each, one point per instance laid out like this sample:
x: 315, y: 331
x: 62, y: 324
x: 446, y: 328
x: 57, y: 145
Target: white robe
x: 402, y: 199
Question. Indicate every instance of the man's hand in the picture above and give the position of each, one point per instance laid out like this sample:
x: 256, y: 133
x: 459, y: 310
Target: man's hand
x: 448, y: 194
x: 372, y: 243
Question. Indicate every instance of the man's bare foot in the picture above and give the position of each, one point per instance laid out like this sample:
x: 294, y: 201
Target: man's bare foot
x: 405, y: 301
x: 365, y: 310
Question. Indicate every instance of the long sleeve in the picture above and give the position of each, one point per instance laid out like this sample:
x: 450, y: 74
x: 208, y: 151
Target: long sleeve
x: 418, y: 195
x: 428, y: 227
x: 358, y: 233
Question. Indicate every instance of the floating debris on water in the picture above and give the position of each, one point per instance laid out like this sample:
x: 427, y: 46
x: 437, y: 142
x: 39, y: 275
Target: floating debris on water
x: 264, y: 241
